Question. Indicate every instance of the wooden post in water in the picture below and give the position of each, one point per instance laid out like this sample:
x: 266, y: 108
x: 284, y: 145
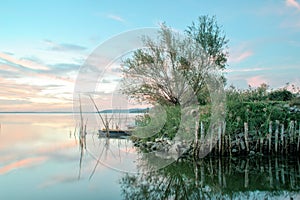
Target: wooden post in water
x: 202, y: 132
x: 196, y: 174
x: 292, y: 177
x: 224, y: 181
x: 270, y: 173
x: 298, y: 144
x: 282, y: 173
x: 295, y: 135
x: 247, y: 174
x: 286, y: 143
x: 202, y: 182
x: 291, y: 135
x: 276, y: 136
x: 292, y: 130
x: 246, y: 136
x: 276, y: 170
x: 282, y: 137
x: 220, y: 173
x: 224, y: 137
x: 229, y: 143
x: 211, y: 167
x: 270, y: 136
x: 220, y: 138
x: 211, y: 142
x: 298, y: 166
x: 196, y: 145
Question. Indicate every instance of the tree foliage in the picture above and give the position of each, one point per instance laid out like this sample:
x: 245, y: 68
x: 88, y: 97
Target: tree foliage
x: 174, y: 63
x: 209, y: 35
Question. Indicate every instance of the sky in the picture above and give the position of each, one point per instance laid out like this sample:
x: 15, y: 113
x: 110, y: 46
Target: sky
x: 43, y: 44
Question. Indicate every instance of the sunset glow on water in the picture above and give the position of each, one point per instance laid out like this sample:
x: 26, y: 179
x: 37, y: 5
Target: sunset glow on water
x: 39, y: 158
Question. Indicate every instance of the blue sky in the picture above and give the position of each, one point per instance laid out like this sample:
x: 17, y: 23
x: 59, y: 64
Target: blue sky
x: 44, y: 43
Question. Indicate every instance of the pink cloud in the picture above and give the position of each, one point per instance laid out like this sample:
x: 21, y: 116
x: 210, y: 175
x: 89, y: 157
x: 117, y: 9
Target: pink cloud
x: 19, y: 96
x: 21, y: 164
x: 293, y: 3
x: 8, y: 68
x: 25, y: 63
x: 33, y: 91
x: 256, y: 81
x: 237, y: 57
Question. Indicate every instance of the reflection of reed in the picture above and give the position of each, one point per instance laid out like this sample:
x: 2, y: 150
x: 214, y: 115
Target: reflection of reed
x: 215, y: 178
x: 106, y: 153
x: 82, y: 138
x: 105, y: 147
x: 249, y: 172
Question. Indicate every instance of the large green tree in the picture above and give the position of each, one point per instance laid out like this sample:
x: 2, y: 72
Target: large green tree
x: 212, y: 39
x: 175, y: 63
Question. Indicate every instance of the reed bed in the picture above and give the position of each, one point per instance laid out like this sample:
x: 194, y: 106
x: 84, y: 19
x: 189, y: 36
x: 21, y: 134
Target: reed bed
x: 278, y: 140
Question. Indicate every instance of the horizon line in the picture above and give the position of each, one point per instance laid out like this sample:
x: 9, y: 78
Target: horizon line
x: 77, y: 112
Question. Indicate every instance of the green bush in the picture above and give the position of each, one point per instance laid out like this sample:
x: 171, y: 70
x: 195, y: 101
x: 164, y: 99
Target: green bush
x: 169, y: 129
x: 280, y: 95
x: 257, y: 107
x: 252, y: 106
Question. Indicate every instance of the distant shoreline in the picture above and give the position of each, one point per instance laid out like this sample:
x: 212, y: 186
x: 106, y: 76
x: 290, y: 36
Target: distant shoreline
x: 30, y: 112
x: 135, y: 110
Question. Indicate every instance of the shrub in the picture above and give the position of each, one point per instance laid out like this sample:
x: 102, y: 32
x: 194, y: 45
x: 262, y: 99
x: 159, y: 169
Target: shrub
x: 280, y: 95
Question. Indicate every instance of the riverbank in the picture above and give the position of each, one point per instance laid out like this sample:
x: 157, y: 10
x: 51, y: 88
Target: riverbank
x: 278, y: 141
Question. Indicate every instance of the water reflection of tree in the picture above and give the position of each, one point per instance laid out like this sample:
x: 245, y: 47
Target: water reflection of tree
x: 216, y: 179
x: 163, y: 184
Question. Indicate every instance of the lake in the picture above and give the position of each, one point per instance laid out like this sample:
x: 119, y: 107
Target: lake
x: 41, y: 157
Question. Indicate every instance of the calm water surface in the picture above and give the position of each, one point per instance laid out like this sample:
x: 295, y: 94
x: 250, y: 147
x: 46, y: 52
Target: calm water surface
x: 41, y: 158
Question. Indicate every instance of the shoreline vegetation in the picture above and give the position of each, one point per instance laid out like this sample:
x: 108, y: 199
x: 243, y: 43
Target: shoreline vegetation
x: 254, y: 126
x: 173, y: 71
